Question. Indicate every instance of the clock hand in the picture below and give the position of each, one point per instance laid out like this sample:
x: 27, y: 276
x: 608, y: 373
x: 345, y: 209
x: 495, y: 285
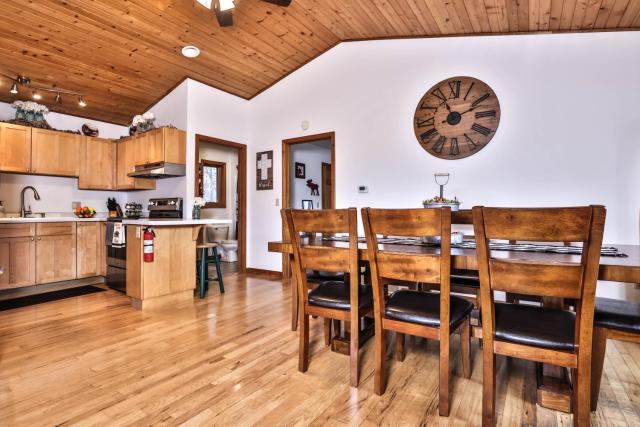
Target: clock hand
x: 471, y: 109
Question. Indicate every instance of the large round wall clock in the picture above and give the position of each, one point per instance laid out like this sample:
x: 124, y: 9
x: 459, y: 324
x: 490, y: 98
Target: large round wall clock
x: 457, y: 118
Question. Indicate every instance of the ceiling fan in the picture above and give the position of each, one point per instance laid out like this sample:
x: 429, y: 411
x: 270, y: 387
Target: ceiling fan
x: 224, y: 9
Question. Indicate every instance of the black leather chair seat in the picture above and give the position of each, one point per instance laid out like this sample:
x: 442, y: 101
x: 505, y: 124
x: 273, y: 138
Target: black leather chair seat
x: 535, y: 326
x: 336, y: 295
x: 616, y: 314
x: 323, y: 276
x: 423, y: 308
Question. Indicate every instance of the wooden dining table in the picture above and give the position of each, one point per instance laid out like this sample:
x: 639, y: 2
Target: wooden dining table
x: 554, y: 390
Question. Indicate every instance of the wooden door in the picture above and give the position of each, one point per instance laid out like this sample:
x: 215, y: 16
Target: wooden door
x: 326, y: 186
x: 55, y: 252
x: 17, y: 262
x: 88, y: 250
x: 97, y: 164
x: 55, y: 153
x: 15, y: 148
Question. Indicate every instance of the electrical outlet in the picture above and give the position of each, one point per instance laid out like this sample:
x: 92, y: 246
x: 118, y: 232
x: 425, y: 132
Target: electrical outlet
x: 277, y: 202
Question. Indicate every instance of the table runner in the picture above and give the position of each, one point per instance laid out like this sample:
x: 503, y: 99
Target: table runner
x: 498, y: 246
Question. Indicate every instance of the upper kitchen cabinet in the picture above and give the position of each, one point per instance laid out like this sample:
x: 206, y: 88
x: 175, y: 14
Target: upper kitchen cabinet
x: 15, y: 148
x: 97, y: 164
x: 55, y: 153
x: 126, y: 150
x: 161, y: 145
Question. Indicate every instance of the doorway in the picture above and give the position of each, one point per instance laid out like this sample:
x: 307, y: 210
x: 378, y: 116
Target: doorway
x: 221, y: 179
x: 326, y: 199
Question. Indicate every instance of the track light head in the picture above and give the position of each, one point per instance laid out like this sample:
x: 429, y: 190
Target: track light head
x: 82, y: 102
x: 36, y: 95
x: 58, y: 98
x: 14, y: 88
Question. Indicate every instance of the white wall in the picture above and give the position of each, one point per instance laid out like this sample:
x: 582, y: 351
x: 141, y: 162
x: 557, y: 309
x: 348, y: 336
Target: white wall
x: 57, y: 193
x: 312, y: 154
x: 568, y: 132
x: 229, y: 156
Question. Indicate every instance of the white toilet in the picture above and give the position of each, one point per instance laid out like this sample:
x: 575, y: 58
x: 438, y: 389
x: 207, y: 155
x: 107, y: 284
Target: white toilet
x: 229, y: 250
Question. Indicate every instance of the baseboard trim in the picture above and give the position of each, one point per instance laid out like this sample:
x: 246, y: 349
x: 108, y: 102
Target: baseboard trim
x: 273, y: 273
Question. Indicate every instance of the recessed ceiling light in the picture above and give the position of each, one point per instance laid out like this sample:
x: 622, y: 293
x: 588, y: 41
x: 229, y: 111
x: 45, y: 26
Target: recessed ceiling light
x: 190, y: 51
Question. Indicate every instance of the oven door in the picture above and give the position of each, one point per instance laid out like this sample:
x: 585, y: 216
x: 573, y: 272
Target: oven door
x: 117, y: 278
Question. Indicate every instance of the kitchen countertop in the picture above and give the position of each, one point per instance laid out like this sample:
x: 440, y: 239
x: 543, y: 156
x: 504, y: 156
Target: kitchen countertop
x: 170, y: 222
x: 17, y: 220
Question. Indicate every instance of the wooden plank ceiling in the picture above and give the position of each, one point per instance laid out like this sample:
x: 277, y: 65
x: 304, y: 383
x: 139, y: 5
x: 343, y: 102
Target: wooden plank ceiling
x: 124, y: 55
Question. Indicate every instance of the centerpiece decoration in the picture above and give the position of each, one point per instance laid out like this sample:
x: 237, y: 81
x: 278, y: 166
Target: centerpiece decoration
x: 198, y: 203
x: 440, y: 201
x: 31, y: 113
x: 142, y: 123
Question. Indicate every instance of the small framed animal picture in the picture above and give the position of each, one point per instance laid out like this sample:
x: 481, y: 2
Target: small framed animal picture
x: 301, y: 170
x: 307, y: 204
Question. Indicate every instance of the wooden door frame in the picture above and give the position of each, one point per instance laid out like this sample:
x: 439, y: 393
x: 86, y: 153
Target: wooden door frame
x: 242, y: 190
x: 286, y: 175
x: 322, y: 177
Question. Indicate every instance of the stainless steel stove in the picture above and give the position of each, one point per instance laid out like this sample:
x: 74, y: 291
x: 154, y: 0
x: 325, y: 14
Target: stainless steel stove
x: 166, y: 208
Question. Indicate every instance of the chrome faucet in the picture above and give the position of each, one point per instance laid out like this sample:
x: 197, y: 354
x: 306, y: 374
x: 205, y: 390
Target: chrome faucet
x: 24, y: 212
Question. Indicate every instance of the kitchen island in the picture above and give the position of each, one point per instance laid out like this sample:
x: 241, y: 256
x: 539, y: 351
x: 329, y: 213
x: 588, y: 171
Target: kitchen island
x: 171, y: 277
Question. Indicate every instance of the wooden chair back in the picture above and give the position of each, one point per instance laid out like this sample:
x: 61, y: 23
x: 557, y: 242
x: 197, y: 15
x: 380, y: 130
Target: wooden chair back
x: 314, y: 253
x: 532, y: 275
x: 410, y: 265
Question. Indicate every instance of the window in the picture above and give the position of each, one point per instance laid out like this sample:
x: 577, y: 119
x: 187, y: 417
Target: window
x: 213, y: 183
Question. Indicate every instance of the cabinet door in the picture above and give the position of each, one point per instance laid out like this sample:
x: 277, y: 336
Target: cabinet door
x: 102, y: 250
x: 15, y: 148
x: 88, y: 249
x: 55, y: 153
x: 155, y: 146
x: 55, y: 258
x: 17, y: 262
x: 97, y: 164
x: 126, y: 163
x: 175, y: 145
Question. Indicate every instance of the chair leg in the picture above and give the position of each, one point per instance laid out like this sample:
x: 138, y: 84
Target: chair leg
x: 327, y: 331
x: 582, y: 414
x: 400, y: 347
x: 203, y: 275
x: 218, y: 270
x: 303, y: 350
x: 488, y: 386
x: 598, y: 350
x: 354, y: 351
x: 380, y: 374
x: 444, y: 377
x: 465, y: 347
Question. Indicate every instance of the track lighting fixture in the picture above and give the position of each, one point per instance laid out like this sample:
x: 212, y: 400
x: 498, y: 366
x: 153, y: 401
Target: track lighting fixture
x: 36, y: 91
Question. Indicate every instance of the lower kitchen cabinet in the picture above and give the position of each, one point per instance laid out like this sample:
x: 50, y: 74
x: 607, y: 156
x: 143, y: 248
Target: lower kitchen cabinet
x: 55, y: 252
x: 17, y: 262
x: 89, y: 251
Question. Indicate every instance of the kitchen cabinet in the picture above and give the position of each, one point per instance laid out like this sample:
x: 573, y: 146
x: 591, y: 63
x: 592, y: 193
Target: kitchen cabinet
x: 17, y: 262
x: 55, y: 153
x: 88, y: 250
x: 15, y: 148
x: 55, y: 252
x: 160, y: 145
x: 97, y: 164
x: 126, y: 150
x: 102, y: 250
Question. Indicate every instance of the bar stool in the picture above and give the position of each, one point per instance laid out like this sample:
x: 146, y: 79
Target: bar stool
x: 202, y: 267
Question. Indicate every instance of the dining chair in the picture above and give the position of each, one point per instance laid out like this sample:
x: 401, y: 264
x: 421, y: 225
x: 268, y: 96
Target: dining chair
x: 347, y: 301
x: 615, y: 320
x: 429, y: 315
x: 541, y: 334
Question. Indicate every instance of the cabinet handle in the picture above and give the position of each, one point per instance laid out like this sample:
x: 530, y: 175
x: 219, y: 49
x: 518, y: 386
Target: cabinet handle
x: 39, y: 238
x: 32, y: 239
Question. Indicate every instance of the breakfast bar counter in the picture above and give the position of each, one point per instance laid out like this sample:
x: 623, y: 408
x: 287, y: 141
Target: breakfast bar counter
x: 171, y: 276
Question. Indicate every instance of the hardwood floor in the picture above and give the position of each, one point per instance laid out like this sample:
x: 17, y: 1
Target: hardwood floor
x: 232, y: 360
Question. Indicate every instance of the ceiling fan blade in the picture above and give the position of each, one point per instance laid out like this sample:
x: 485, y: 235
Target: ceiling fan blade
x: 284, y: 3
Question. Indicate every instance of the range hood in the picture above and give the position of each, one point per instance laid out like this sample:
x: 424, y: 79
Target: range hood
x: 159, y: 170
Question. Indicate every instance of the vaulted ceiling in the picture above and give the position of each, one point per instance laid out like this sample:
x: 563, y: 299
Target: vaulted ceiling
x: 124, y: 55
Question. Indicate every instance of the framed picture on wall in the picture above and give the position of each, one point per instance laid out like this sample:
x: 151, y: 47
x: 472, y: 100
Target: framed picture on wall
x: 301, y: 170
x: 264, y: 170
x: 307, y: 204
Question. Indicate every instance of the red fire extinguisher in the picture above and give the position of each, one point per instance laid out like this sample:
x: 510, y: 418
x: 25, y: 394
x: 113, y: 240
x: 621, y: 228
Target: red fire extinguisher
x: 148, y: 244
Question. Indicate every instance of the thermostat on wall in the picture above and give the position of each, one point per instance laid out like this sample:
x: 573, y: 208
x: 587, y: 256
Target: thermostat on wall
x: 363, y: 189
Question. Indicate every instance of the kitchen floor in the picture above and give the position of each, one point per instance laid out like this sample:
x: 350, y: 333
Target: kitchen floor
x: 232, y: 360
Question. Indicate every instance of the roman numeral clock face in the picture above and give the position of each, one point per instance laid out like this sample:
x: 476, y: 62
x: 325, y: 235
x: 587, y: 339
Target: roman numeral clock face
x: 457, y: 118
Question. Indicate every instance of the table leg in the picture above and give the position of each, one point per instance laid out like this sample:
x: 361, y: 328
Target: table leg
x: 294, y: 293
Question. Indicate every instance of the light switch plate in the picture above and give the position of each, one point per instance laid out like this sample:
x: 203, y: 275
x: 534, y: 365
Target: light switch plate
x: 363, y: 189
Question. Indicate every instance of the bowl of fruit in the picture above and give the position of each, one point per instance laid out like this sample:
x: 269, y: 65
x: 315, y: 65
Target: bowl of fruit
x: 441, y: 202
x: 84, y: 212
